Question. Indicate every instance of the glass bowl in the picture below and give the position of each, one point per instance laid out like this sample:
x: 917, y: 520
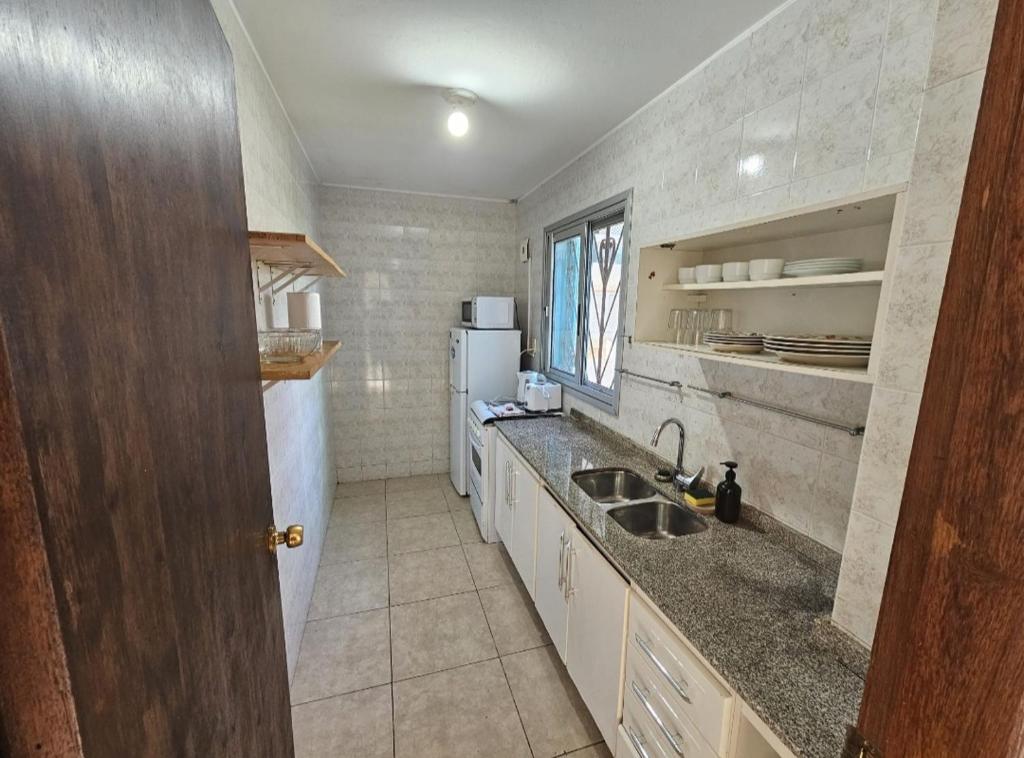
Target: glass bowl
x: 288, y: 345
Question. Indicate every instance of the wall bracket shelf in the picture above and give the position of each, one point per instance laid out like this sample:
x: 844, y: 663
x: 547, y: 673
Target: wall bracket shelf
x: 292, y: 253
x: 307, y: 368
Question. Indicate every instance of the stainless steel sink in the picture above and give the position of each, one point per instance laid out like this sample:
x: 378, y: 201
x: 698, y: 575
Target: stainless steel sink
x: 657, y: 520
x: 613, y: 485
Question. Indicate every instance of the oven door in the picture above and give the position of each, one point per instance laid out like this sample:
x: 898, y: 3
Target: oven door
x: 477, y: 457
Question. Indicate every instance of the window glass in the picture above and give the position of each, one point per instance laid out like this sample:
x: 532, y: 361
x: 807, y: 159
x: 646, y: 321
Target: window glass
x: 604, y: 279
x: 565, y: 300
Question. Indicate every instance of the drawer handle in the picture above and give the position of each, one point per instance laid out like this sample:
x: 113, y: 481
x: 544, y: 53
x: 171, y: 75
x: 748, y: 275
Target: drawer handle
x: 638, y: 742
x: 561, y: 559
x: 672, y: 738
x: 679, y: 688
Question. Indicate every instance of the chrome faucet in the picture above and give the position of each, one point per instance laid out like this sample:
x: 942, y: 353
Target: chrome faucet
x: 679, y: 478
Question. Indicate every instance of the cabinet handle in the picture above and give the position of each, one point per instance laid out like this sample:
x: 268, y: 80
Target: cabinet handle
x: 662, y: 669
x: 638, y: 742
x: 508, y: 485
x: 672, y: 738
x: 569, y: 589
x: 561, y: 559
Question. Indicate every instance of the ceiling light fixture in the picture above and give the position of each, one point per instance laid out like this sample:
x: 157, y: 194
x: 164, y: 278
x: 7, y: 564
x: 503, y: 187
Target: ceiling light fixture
x: 460, y: 100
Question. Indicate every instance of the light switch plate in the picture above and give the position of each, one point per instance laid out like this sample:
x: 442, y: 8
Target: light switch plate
x: 524, y: 250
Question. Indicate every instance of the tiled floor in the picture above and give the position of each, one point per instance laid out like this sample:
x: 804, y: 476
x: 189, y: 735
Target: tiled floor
x: 421, y: 640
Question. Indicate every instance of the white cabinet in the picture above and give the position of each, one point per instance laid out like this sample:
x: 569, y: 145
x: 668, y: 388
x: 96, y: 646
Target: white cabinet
x: 515, y: 509
x: 503, y: 473
x: 524, y: 522
x: 554, y: 532
x: 596, y: 631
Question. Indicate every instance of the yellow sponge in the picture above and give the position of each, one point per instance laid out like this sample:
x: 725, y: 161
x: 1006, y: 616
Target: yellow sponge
x: 700, y: 497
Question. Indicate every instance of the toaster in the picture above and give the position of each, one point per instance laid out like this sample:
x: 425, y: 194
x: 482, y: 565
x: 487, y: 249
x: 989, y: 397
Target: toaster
x: 543, y: 396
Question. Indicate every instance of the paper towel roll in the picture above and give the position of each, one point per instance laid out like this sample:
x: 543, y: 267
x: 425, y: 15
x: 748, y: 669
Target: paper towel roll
x: 304, y: 310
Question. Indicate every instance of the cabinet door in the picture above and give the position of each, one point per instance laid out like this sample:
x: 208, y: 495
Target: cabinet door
x: 554, y: 530
x: 597, y: 626
x: 524, y: 522
x: 503, y: 473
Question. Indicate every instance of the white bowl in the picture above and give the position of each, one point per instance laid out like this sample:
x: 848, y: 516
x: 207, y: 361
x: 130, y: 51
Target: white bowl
x: 766, y: 268
x: 687, y: 275
x: 736, y: 271
x: 710, y: 272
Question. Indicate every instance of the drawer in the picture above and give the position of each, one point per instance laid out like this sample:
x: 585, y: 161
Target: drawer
x: 694, y: 690
x: 657, y: 715
x: 638, y: 736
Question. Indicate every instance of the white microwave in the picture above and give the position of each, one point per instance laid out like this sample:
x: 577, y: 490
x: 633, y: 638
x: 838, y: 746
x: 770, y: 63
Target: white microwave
x: 489, y: 313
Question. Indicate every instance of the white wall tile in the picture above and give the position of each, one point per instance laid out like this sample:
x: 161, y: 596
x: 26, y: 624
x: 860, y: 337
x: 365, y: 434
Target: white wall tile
x: 835, y: 119
x: 908, y: 17
x: 900, y: 94
x: 778, y: 52
x: 963, y: 36
x: 841, y: 33
x: 919, y: 276
x: 940, y: 162
x: 769, y: 146
x: 859, y: 594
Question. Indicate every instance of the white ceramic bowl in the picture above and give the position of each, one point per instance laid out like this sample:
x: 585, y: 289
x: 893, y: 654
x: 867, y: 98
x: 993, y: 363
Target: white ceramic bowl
x: 711, y: 272
x: 736, y: 271
x: 766, y: 268
x: 687, y: 275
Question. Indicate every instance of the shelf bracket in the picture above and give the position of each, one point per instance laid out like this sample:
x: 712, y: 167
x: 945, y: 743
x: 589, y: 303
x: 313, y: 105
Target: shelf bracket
x: 288, y: 274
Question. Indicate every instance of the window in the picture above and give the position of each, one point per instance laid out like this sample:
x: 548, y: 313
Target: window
x: 586, y: 266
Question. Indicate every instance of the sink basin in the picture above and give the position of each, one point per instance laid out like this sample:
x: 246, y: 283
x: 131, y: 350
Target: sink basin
x: 657, y: 520
x: 613, y: 485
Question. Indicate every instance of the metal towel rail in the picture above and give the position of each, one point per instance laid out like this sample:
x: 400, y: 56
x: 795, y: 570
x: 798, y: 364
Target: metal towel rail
x: 666, y: 382
x: 853, y: 431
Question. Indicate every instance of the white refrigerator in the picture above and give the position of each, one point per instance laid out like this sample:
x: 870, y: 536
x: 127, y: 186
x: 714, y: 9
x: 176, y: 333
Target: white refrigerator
x: 482, y: 365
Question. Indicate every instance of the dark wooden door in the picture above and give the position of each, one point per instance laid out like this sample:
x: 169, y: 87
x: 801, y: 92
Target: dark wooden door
x: 133, y: 379
x: 947, y: 669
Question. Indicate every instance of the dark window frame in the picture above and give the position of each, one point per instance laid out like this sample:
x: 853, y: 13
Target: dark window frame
x: 575, y: 383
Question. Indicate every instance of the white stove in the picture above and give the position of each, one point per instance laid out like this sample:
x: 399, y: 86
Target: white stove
x: 480, y: 451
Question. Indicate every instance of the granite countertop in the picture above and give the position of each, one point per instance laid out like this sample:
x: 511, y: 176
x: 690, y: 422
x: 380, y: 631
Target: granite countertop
x: 753, y: 597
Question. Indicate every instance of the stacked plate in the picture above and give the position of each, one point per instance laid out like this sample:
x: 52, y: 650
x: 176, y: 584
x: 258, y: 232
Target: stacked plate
x: 820, y: 349
x: 823, y: 266
x: 734, y: 342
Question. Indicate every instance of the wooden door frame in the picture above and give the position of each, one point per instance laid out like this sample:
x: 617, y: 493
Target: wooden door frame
x: 947, y: 668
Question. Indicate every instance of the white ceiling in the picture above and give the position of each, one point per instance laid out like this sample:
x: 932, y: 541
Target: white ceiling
x: 362, y: 80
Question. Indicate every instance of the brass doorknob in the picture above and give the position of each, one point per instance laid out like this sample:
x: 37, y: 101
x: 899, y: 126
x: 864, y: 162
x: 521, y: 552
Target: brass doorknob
x: 290, y: 537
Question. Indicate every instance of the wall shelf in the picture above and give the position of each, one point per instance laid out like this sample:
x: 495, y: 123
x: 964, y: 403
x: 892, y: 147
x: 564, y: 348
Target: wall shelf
x: 295, y: 253
x: 860, y: 279
x: 767, y: 361
x: 304, y: 369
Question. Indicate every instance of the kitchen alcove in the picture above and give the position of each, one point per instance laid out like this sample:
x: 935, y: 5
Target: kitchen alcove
x: 864, y: 226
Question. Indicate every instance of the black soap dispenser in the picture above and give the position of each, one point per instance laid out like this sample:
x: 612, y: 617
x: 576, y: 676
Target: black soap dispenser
x: 727, y: 496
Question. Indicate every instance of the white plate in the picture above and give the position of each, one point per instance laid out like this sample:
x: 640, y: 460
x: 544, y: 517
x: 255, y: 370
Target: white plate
x: 815, y: 261
x: 719, y: 348
x: 811, y: 343
x: 809, y: 351
x: 818, y: 345
x: 822, y: 339
x: 819, y: 272
x: 834, y: 361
